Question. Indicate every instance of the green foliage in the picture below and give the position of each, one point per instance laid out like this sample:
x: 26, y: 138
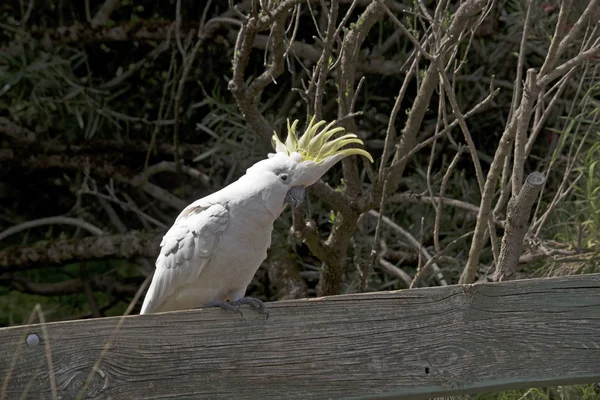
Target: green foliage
x: 578, y: 220
x: 41, y: 89
x: 589, y: 191
x: 579, y: 392
x: 227, y: 135
x: 16, y: 306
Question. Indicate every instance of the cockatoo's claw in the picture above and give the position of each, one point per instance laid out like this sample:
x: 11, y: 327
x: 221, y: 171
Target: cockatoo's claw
x: 226, y: 305
x: 254, y: 303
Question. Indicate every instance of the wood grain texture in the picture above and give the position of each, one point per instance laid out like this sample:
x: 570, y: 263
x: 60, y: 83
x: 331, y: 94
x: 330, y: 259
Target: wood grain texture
x: 409, y: 344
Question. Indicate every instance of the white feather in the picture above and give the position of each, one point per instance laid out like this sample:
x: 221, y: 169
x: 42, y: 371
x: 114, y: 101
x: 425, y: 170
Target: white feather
x: 185, y: 250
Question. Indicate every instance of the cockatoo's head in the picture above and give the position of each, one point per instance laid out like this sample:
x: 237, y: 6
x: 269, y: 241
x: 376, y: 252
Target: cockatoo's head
x: 300, y: 162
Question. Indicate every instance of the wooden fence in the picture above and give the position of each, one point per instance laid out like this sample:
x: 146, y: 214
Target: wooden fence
x: 408, y: 344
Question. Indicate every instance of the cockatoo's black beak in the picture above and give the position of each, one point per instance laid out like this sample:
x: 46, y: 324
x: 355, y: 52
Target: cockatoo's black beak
x: 295, y: 196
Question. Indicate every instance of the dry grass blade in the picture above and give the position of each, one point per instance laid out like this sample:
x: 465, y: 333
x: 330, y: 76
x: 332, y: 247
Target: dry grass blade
x: 113, y: 336
x: 48, y: 351
x: 46, y: 337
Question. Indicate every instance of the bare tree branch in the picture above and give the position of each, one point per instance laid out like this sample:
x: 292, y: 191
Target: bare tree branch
x: 247, y: 97
x: 284, y: 273
x: 519, y: 210
x: 59, y: 252
x: 521, y: 118
x: 101, y: 17
x: 72, y: 286
x: 345, y: 224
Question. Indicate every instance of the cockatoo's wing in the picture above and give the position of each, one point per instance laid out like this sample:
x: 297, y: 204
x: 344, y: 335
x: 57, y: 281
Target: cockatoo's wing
x: 185, y: 251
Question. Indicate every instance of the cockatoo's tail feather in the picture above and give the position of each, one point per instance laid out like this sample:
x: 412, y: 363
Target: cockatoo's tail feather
x: 317, y: 147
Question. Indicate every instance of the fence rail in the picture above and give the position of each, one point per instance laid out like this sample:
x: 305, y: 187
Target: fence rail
x: 408, y: 344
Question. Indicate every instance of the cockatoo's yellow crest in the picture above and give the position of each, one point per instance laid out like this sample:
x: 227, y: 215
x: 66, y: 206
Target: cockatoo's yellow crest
x: 316, y: 147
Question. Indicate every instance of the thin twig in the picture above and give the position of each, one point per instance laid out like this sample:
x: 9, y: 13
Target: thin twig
x: 393, y: 270
x: 172, y: 71
x: 472, y: 150
x: 405, y: 31
x: 440, y: 204
x: 423, y: 199
x: 392, y: 118
x: 188, y: 61
x: 52, y: 221
x: 133, y: 68
x: 88, y: 291
x: 413, y: 242
x: 537, y: 127
x: 563, y: 189
x: 27, y: 14
x: 519, y: 72
x: 127, y: 206
x: 463, y: 125
x: 521, y: 136
x: 392, y: 169
x: 374, y: 247
x: 317, y: 84
x: 103, y: 14
x: 429, y: 263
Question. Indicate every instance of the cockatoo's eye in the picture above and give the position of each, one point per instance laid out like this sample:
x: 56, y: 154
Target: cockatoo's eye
x: 284, y: 177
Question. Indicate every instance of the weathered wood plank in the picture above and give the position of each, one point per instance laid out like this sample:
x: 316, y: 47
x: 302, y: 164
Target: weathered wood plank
x: 409, y: 344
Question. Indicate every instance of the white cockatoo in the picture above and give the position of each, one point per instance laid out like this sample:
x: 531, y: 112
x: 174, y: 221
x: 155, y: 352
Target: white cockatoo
x: 217, y: 243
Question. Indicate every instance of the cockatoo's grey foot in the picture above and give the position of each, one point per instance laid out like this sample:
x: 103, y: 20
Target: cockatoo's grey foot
x: 226, y: 305
x: 254, y: 303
